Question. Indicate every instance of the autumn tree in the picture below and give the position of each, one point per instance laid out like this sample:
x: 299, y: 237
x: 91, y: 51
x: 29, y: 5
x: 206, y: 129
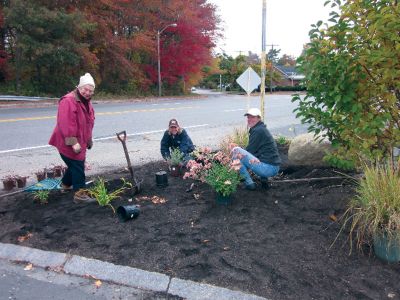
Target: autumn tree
x: 113, y: 39
x: 287, y: 60
x: 352, y: 71
x: 43, y: 46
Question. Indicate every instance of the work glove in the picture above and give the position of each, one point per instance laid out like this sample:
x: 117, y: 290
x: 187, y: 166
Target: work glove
x: 77, y: 148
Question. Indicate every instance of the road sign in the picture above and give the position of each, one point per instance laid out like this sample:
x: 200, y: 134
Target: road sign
x: 249, y: 80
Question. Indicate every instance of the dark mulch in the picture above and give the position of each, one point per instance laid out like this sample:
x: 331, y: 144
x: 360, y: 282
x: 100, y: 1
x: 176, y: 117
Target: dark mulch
x: 274, y: 243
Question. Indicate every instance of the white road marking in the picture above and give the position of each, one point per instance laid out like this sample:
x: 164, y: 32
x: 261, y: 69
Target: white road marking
x: 230, y: 110
x: 98, y: 139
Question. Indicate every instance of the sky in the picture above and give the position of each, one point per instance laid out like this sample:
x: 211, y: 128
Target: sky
x: 287, y: 26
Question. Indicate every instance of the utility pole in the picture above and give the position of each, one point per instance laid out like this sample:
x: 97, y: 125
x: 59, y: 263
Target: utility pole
x: 272, y: 66
x: 263, y: 44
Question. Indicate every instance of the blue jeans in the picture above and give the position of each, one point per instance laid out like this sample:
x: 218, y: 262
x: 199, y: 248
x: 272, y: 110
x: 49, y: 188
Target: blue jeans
x: 261, y: 169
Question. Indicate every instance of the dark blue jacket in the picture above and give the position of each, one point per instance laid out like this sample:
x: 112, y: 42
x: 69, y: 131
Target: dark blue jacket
x: 262, y: 145
x: 181, y: 141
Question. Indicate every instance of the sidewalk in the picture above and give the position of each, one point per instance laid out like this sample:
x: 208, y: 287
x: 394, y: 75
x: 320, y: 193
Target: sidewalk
x: 54, y: 275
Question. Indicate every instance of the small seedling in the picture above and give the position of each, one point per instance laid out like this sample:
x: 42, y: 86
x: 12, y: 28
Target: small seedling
x: 42, y: 196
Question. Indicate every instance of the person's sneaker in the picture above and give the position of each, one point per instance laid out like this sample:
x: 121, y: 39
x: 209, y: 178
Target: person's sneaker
x: 250, y: 187
x: 264, y: 183
x: 82, y: 196
x: 65, y: 188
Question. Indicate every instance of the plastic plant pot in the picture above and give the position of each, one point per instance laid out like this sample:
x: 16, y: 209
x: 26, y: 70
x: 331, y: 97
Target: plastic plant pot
x: 223, y: 200
x: 21, y: 181
x: 50, y: 174
x: 40, y: 176
x: 128, y: 212
x: 58, y: 171
x: 161, y: 179
x: 385, y: 250
x: 175, y: 170
x: 8, y: 184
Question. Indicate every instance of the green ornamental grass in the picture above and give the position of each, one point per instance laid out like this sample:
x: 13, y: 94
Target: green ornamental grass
x: 376, y: 207
x: 103, y: 197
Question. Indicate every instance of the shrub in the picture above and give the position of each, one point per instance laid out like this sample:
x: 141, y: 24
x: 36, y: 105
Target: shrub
x: 353, y: 88
x: 176, y: 157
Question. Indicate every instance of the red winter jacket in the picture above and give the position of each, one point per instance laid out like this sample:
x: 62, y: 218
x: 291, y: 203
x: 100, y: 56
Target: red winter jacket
x: 74, y: 125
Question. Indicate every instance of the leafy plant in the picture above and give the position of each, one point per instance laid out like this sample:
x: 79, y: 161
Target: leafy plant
x: 42, y: 196
x: 282, y: 140
x: 239, y: 136
x: 223, y: 179
x: 176, y: 157
x: 103, y: 196
x: 352, y: 79
x: 376, y: 207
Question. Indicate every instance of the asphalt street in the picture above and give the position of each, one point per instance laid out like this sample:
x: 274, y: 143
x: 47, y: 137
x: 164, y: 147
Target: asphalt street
x: 24, y: 131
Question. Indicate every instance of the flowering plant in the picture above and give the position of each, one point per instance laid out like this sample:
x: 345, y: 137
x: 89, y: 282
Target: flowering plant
x: 217, y: 169
x: 223, y: 179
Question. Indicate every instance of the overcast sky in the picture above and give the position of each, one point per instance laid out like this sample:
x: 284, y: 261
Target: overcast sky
x: 288, y: 24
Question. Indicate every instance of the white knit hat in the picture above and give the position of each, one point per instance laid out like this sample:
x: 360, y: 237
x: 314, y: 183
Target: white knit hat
x: 86, y: 79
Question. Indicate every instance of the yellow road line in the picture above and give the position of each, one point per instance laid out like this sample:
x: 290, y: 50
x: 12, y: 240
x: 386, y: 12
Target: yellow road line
x: 100, y: 114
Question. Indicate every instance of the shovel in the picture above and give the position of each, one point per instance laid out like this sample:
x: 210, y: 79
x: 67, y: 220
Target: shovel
x: 136, y: 184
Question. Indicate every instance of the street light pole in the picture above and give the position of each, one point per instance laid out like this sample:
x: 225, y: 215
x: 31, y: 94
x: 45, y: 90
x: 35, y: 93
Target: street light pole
x: 158, y: 55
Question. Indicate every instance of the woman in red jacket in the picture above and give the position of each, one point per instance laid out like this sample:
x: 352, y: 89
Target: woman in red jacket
x: 73, y: 135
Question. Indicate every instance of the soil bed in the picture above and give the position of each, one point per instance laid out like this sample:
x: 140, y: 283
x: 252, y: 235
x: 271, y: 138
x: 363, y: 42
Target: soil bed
x: 273, y: 243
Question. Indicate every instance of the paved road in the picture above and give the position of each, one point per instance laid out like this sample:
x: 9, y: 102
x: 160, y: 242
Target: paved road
x: 24, y: 132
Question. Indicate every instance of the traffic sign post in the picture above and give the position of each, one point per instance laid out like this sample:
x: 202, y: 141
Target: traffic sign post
x: 249, y: 81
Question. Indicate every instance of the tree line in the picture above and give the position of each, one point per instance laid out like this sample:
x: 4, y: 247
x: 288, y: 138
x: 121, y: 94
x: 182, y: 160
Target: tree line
x: 46, y: 45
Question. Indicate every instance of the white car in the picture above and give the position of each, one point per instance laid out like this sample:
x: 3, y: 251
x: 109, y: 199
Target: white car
x: 193, y: 89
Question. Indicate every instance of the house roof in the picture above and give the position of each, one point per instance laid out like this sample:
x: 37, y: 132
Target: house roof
x: 289, y: 72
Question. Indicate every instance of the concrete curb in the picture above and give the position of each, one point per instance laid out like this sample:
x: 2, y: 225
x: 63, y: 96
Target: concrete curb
x: 123, y: 275
x: 118, y: 274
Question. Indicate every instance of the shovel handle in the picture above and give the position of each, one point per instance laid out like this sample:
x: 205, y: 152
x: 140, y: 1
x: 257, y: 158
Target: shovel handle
x: 119, y: 134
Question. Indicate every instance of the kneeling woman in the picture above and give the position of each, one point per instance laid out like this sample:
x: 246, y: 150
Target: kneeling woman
x: 176, y: 137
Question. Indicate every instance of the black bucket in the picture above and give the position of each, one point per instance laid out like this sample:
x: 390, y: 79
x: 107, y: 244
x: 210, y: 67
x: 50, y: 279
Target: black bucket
x: 128, y: 212
x: 162, y: 179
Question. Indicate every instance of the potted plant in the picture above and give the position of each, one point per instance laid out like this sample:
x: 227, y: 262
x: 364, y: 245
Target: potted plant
x: 50, y: 173
x: 40, y: 175
x: 58, y: 170
x: 9, y: 182
x: 374, y: 213
x: 21, y: 181
x: 175, y: 162
x: 224, y: 179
